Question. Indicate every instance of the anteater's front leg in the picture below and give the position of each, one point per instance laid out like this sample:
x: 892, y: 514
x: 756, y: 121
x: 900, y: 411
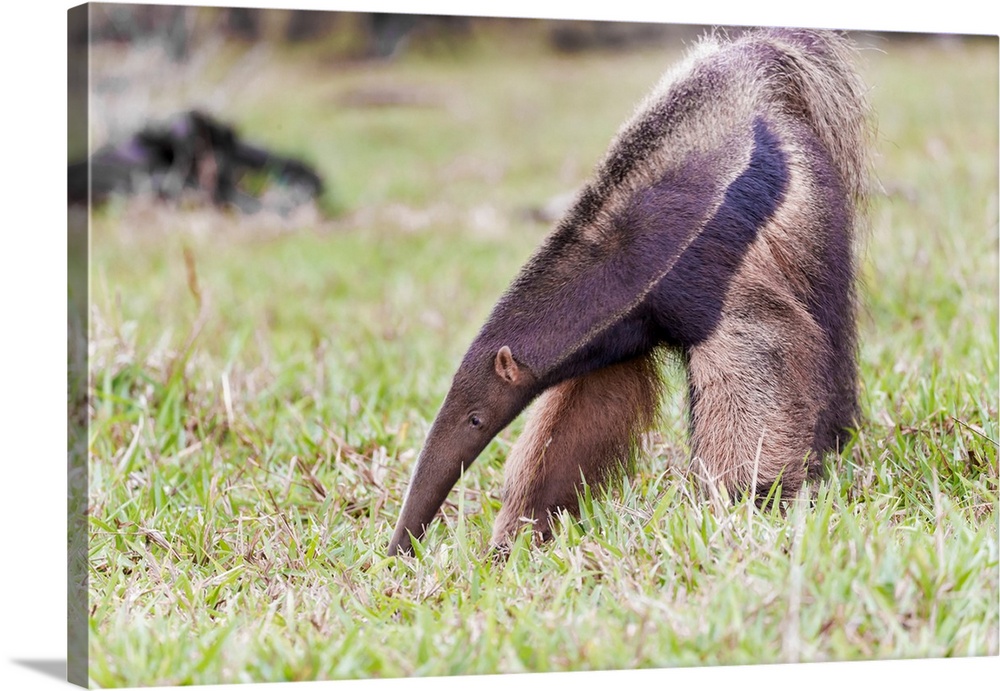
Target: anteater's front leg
x: 586, y: 428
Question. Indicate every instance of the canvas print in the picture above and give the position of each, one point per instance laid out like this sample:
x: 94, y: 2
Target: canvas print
x: 407, y: 345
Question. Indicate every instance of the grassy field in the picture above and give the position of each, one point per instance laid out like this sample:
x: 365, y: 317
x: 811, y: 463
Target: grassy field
x: 261, y: 387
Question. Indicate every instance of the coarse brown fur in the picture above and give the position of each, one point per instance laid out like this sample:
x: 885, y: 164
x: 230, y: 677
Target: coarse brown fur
x: 721, y: 225
x: 586, y: 429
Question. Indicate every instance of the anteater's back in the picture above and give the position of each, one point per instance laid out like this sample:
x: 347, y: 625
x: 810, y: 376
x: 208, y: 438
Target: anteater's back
x: 721, y: 87
x: 749, y: 160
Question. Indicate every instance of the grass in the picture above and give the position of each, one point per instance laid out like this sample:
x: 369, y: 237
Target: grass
x: 260, y: 389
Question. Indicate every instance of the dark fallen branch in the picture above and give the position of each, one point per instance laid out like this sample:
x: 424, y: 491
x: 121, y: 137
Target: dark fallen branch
x: 196, y: 152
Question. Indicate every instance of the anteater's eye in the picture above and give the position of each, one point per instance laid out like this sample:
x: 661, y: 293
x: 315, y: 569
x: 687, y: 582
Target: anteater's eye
x: 475, y: 420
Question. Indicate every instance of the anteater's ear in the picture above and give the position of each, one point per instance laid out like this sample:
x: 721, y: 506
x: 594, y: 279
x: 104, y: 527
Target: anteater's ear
x: 506, y: 368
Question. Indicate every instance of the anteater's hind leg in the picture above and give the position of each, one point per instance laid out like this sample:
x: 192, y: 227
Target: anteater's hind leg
x: 584, y: 428
x: 757, y: 394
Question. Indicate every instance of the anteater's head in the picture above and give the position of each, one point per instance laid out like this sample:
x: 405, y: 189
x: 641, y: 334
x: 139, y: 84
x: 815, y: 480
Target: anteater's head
x: 490, y: 388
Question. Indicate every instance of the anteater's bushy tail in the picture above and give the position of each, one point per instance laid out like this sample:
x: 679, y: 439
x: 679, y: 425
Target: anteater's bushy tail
x: 813, y: 75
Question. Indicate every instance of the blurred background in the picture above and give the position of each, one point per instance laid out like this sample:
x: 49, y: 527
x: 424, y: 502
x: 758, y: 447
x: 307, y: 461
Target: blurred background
x: 169, y: 82
x: 252, y: 109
